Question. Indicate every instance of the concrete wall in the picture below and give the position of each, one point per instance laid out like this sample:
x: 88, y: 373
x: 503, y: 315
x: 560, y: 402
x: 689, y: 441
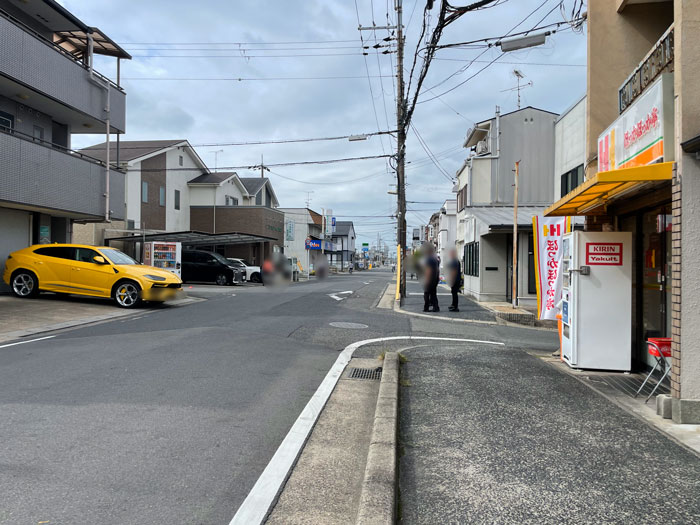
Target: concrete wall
x: 528, y: 136
x: 27, y: 117
x: 133, y: 194
x: 617, y: 42
x: 569, y: 143
x: 480, y: 186
x: 687, y: 82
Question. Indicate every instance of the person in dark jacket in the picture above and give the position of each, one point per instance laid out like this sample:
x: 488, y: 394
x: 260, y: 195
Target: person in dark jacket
x: 454, y: 269
x: 431, y: 278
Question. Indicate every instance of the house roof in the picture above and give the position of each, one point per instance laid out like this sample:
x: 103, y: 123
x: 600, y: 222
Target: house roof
x: 342, y: 228
x: 253, y: 184
x: 500, y: 217
x: 213, y: 178
x: 130, y: 149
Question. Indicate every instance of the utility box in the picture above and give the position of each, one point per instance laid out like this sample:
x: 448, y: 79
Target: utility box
x: 597, y: 300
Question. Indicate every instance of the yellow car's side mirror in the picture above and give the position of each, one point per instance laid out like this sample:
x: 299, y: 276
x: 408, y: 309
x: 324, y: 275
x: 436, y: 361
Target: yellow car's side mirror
x: 98, y: 259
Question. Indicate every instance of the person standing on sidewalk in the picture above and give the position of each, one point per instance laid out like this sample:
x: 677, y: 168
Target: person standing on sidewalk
x: 455, y: 279
x: 431, y: 278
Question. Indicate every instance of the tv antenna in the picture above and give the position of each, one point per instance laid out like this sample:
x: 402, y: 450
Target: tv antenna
x: 308, y: 198
x: 520, y: 76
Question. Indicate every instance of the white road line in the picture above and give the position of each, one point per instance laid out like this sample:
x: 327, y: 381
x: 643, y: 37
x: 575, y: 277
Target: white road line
x: 336, y: 294
x: 25, y: 342
x: 263, y: 495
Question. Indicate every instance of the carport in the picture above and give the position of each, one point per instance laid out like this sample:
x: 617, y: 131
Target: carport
x: 253, y: 248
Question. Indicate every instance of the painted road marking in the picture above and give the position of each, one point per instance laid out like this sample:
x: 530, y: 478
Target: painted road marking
x: 336, y: 294
x: 263, y: 495
x: 25, y: 342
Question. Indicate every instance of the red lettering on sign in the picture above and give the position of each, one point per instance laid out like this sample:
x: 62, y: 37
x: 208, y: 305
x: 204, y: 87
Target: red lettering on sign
x: 604, y: 253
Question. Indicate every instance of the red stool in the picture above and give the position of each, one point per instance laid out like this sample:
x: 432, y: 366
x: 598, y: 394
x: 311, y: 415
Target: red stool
x: 660, y: 348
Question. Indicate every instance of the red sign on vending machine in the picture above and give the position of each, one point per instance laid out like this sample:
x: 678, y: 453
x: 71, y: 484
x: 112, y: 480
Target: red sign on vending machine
x: 604, y: 253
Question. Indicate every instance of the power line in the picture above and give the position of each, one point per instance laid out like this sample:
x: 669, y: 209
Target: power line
x: 259, y: 142
x: 279, y: 164
x: 246, y: 79
x: 430, y: 153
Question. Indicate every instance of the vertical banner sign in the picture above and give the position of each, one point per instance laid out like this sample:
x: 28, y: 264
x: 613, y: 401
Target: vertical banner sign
x: 329, y: 223
x: 289, y: 230
x: 548, y: 233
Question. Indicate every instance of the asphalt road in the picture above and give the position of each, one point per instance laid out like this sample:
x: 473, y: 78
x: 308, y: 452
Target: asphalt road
x: 170, y: 416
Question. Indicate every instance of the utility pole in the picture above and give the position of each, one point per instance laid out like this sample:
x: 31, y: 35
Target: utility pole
x: 262, y: 167
x: 401, y: 147
x: 514, y: 290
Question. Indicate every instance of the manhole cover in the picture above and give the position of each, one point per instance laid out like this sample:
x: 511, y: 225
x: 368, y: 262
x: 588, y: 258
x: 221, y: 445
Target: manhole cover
x: 374, y: 374
x: 352, y: 326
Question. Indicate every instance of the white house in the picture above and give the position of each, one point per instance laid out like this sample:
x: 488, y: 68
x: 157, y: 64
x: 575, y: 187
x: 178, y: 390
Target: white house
x: 301, y: 224
x: 446, y: 232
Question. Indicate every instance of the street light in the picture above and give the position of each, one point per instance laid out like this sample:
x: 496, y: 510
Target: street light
x: 355, y: 138
x: 522, y: 42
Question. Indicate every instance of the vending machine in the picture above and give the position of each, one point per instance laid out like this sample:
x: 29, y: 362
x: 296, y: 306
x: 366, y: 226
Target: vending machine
x: 165, y: 255
x: 597, y: 300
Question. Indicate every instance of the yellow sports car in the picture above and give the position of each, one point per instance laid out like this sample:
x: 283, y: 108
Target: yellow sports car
x: 87, y: 270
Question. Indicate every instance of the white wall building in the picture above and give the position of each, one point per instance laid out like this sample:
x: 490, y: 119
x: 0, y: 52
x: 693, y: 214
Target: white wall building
x: 302, y: 224
x: 447, y: 232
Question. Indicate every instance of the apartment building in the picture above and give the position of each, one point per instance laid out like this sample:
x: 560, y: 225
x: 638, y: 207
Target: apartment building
x: 343, y: 239
x: 642, y: 170
x: 485, y: 201
x: 50, y: 91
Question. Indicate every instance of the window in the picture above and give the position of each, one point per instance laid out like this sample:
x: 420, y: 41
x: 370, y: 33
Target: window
x: 571, y: 180
x: 38, y: 133
x: 471, y: 259
x: 177, y: 199
x: 231, y: 201
x: 85, y: 254
x: 462, y: 198
x: 180, y: 160
x: 144, y: 192
x: 531, y: 286
x: 161, y: 196
x: 117, y: 257
x: 258, y: 199
x: 61, y: 252
x: 7, y: 121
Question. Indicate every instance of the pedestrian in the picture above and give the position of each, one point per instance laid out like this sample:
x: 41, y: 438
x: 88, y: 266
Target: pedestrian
x: 268, y: 269
x: 454, y: 269
x: 431, y: 278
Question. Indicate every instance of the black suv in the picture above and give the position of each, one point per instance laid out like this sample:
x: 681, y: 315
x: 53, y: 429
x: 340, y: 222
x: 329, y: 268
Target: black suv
x: 209, y: 267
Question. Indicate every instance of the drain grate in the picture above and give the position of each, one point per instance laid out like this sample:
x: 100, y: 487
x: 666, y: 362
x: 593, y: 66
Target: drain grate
x: 373, y: 374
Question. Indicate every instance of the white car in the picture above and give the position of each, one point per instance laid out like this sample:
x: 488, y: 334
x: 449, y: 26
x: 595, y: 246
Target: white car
x: 252, y: 273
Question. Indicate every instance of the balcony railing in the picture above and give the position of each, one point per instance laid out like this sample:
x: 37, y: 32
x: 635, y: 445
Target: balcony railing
x: 38, y: 174
x: 57, y: 147
x: 56, y: 48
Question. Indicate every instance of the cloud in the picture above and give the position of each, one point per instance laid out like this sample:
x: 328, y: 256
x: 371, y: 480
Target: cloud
x: 210, y: 111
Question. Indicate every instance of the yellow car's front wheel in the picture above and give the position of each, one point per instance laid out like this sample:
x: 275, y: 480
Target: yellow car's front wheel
x: 127, y: 294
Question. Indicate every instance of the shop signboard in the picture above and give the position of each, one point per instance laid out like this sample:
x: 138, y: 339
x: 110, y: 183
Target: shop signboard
x: 315, y: 244
x: 643, y: 134
x: 547, y: 234
x: 604, y: 253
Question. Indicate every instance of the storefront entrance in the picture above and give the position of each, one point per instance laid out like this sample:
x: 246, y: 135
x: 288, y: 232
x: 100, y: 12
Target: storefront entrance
x: 651, y: 301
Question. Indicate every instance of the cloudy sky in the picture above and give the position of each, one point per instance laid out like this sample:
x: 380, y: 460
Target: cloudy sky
x: 218, y: 71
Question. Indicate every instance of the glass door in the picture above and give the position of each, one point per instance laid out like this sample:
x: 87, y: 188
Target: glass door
x: 656, y: 268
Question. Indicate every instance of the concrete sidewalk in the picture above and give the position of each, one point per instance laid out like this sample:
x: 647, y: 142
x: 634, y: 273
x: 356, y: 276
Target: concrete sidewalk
x: 468, y: 309
x: 499, y: 436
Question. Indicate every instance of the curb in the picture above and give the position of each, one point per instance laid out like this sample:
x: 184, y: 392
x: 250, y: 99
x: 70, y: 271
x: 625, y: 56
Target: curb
x: 378, y: 496
x: 398, y: 309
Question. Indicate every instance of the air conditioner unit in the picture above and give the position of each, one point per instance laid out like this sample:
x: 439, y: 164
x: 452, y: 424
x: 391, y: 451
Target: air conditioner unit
x: 482, y: 147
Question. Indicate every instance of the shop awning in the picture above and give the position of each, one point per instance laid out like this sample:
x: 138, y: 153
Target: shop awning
x: 592, y: 197
x: 194, y: 238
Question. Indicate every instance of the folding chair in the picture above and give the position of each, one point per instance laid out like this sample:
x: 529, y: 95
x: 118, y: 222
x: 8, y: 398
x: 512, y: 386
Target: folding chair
x: 660, y: 352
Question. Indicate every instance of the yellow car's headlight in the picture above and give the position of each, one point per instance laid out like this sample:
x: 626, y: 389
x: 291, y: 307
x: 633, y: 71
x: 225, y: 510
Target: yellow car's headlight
x: 154, y: 277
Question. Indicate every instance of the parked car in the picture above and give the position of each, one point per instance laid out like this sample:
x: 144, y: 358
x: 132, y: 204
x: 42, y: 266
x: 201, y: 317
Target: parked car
x: 252, y: 273
x: 209, y: 267
x: 80, y: 269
